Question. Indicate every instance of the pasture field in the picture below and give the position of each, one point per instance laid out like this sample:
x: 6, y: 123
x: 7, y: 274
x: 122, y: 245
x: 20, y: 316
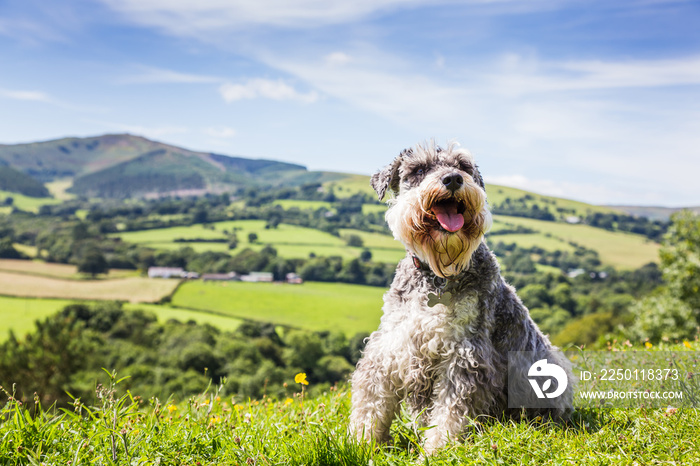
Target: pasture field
x: 30, y: 204
x: 131, y: 289
x: 19, y: 314
x: 47, y: 269
x: 528, y: 240
x: 303, y: 205
x: 350, y: 185
x: 165, y: 313
x: 291, y: 241
x: 496, y: 194
x: 313, y: 306
x: 58, y: 189
x: 618, y: 249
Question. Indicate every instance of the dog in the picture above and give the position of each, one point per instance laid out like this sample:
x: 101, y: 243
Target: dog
x: 449, y: 319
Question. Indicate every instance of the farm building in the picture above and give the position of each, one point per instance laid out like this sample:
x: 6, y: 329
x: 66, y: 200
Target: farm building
x: 170, y: 272
x: 220, y: 276
x: 258, y: 277
x: 166, y: 272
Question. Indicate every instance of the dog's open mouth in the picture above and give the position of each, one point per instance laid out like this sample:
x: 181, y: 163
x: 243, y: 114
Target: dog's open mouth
x: 449, y: 214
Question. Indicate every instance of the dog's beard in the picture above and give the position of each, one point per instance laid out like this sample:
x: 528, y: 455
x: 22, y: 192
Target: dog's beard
x: 412, y: 220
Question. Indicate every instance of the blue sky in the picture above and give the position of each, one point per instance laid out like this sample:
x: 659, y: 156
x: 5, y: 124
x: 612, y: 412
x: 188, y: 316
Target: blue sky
x: 591, y: 100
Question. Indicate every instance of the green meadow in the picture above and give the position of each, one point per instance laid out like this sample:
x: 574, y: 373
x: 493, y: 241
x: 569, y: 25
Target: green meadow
x: 19, y: 314
x: 618, y: 249
x: 290, y: 241
x: 30, y: 204
x: 313, y: 306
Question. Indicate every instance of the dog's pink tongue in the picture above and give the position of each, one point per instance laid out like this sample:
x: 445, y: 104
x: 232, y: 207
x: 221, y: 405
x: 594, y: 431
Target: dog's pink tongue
x: 449, y: 218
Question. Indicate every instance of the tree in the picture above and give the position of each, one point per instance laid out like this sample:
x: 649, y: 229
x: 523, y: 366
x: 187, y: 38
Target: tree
x: 93, y: 262
x: 366, y: 255
x: 674, y: 310
x: 7, y: 250
x: 252, y: 237
x: 354, y: 241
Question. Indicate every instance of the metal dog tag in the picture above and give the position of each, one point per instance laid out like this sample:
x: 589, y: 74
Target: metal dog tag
x: 442, y: 298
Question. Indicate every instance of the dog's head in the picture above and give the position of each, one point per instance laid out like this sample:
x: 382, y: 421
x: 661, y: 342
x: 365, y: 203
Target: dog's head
x: 439, y: 211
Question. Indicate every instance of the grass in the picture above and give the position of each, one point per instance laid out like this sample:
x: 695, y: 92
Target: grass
x: 291, y: 241
x: 313, y: 306
x: 211, y: 428
x: 619, y: 249
x: 164, y: 313
x: 303, y: 205
x: 19, y: 314
x: 30, y: 204
x: 131, y: 289
x: 350, y: 185
x: 496, y: 194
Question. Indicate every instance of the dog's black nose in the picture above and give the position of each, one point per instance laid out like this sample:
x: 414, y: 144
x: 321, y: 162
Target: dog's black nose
x: 453, y: 181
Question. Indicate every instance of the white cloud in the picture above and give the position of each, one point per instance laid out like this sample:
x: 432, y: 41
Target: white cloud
x: 152, y: 75
x: 188, y: 17
x: 264, y: 88
x: 35, y: 96
x: 220, y: 132
x: 337, y: 59
x: 152, y: 132
x: 44, y: 98
x: 518, y: 76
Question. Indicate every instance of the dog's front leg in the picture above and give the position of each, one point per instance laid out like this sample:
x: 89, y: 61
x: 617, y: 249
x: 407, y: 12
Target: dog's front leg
x: 448, y: 416
x: 375, y: 401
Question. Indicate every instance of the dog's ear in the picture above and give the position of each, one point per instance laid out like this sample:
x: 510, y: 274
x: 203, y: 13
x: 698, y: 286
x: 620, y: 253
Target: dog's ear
x: 388, y: 177
x: 477, y: 177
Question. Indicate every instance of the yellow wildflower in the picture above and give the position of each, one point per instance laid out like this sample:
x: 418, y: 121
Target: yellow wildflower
x: 301, y: 378
x: 687, y: 344
x: 648, y: 345
x: 172, y: 408
x: 288, y: 401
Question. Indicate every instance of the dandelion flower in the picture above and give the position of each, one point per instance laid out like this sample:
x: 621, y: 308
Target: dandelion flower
x: 687, y: 344
x: 301, y: 378
x: 648, y: 345
x: 172, y: 408
x: 288, y: 401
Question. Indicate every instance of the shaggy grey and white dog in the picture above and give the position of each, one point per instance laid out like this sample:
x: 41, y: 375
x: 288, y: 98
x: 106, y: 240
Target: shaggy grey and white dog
x: 450, y: 320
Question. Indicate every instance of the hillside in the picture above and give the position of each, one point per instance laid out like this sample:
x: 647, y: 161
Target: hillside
x: 17, y: 182
x: 122, y: 166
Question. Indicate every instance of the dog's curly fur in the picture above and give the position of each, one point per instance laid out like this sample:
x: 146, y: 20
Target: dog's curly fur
x: 450, y: 361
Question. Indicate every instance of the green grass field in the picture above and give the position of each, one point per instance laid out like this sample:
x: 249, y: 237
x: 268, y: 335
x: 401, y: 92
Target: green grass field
x: 19, y: 314
x: 290, y: 241
x: 313, y: 306
x: 303, y: 205
x: 496, y: 194
x: 619, y: 249
x: 30, y: 204
x: 211, y: 428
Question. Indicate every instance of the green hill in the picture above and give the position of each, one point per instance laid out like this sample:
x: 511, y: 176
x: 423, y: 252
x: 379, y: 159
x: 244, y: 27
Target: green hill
x: 122, y: 165
x: 18, y: 182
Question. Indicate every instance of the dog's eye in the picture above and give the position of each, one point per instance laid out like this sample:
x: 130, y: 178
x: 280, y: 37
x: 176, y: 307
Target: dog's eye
x: 467, y: 167
x: 420, y: 172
